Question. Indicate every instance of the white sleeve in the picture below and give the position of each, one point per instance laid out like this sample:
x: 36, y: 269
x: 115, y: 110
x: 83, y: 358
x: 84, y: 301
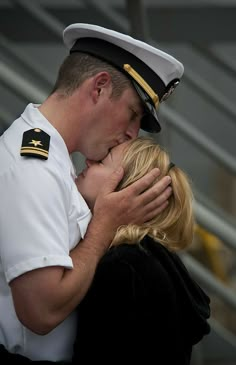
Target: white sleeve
x: 34, y: 219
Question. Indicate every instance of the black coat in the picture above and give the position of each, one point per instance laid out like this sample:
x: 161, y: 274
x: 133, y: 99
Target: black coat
x: 143, y: 306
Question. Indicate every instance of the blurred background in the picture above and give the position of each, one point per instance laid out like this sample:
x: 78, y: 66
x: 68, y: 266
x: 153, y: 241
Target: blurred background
x: 198, y: 120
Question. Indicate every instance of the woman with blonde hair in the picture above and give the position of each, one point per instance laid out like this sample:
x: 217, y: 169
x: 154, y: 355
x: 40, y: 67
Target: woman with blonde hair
x: 174, y: 226
x: 143, y: 304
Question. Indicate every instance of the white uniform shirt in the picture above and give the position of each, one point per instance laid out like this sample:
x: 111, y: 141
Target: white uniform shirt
x: 42, y: 217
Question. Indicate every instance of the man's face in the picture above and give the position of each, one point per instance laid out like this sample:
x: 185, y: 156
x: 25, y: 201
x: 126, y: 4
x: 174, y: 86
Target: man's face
x: 92, y: 178
x: 116, y: 120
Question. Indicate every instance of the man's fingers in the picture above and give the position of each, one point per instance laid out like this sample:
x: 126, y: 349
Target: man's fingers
x: 155, y: 200
x: 113, y: 180
x: 145, y: 182
x: 156, y: 206
x: 154, y: 212
x: 138, y: 203
x: 158, y: 193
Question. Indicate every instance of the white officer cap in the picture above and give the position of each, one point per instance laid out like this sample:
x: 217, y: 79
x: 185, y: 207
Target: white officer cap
x: 154, y: 73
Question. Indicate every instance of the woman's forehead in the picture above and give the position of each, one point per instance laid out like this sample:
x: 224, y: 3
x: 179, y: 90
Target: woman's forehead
x: 116, y: 153
x: 119, y: 149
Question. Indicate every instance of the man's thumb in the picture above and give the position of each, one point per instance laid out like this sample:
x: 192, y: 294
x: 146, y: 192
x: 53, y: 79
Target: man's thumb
x: 113, y: 180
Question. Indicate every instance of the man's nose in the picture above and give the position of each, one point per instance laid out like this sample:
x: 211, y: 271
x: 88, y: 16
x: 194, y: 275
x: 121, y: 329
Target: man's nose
x: 133, y: 130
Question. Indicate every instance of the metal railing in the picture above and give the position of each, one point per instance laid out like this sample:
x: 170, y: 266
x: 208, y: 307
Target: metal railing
x: 205, y: 216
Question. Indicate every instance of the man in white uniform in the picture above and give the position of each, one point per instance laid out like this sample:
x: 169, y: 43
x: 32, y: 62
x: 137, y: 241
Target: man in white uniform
x: 109, y: 86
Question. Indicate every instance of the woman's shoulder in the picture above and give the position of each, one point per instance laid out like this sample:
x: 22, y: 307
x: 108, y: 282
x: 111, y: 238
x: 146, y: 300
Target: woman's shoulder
x: 142, y: 260
x: 140, y: 250
x: 146, y: 250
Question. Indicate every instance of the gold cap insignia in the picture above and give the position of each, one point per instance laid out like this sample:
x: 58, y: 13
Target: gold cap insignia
x: 35, y: 143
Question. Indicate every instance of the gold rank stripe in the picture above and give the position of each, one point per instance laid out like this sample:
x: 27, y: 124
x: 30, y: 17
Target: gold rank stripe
x: 138, y: 78
x: 36, y: 151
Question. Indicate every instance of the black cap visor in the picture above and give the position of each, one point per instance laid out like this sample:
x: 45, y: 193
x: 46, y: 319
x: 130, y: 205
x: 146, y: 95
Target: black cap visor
x: 149, y: 122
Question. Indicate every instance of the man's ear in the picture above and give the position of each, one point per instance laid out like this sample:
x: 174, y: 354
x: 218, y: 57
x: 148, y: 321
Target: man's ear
x: 101, y: 84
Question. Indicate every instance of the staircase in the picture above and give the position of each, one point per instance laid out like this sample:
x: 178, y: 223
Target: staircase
x: 199, y: 120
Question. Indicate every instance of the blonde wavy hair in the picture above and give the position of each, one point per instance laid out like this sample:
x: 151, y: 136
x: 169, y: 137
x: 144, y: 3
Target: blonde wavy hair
x: 175, y: 225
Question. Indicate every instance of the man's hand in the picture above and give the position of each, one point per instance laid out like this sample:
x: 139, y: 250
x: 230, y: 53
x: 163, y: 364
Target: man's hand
x: 43, y: 298
x: 138, y: 203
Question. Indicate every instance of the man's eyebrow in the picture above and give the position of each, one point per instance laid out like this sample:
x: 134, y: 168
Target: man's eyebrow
x: 137, y: 111
x: 138, y: 108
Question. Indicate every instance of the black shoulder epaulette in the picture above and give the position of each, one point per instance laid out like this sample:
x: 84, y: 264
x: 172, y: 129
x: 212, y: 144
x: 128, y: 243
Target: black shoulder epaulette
x: 35, y: 143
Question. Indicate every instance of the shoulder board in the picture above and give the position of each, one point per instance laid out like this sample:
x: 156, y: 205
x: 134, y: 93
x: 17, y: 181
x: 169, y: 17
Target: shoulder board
x: 35, y: 143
